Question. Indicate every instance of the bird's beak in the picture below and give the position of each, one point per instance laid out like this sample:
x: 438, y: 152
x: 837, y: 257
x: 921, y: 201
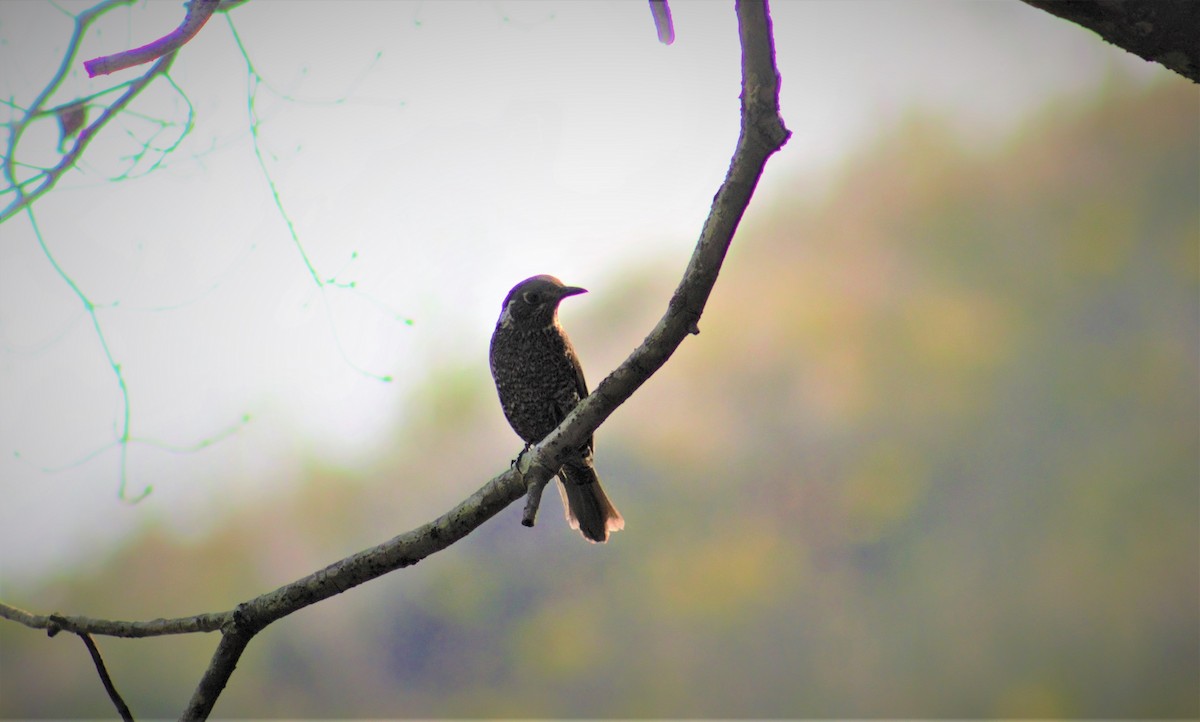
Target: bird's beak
x: 570, y: 291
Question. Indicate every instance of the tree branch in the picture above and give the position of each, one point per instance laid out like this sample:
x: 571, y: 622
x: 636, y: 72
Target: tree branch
x: 198, y: 13
x: 51, y: 177
x: 83, y: 21
x: 762, y: 134
x: 405, y: 550
x: 662, y: 21
x: 109, y: 687
x: 533, y: 490
x: 1161, y: 31
x: 55, y: 623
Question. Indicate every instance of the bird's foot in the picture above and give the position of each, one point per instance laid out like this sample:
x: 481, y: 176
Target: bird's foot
x: 516, y: 463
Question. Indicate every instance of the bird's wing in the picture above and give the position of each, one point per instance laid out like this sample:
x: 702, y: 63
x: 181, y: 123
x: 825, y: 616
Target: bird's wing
x: 580, y: 386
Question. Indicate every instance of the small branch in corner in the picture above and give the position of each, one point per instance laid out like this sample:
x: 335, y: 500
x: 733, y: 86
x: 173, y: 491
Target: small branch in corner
x: 198, y: 13
x: 662, y: 21
x: 101, y: 669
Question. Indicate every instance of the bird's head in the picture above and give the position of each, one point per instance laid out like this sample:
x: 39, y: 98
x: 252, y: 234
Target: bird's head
x: 533, y: 303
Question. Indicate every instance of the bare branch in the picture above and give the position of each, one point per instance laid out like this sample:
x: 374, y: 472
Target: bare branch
x: 239, y: 625
x: 83, y: 21
x: 51, y: 177
x: 1161, y: 31
x: 198, y: 13
x: 662, y: 21
x: 762, y: 134
x: 216, y: 675
x: 122, y: 708
x: 55, y: 623
x: 402, y: 551
x: 533, y: 499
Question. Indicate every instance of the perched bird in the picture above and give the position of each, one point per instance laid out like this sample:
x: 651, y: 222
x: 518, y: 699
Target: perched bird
x: 539, y: 380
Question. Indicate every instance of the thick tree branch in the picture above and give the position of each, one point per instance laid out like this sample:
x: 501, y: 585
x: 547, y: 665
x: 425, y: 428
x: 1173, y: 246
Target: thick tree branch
x: 198, y: 13
x: 1161, y: 31
x: 762, y: 133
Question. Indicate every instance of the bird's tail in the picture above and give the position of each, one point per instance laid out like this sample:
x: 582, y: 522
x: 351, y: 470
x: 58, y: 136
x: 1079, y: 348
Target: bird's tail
x: 587, y: 506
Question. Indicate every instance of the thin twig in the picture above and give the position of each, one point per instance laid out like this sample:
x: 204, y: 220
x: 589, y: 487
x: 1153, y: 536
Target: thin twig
x: 83, y: 21
x: 54, y: 623
x: 51, y: 177
x: 122, y: 708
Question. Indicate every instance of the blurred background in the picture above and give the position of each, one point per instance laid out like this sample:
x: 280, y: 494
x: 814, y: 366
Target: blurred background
x: 936, y: 452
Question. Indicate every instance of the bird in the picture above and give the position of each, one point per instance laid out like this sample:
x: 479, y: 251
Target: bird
x: 539, y: 380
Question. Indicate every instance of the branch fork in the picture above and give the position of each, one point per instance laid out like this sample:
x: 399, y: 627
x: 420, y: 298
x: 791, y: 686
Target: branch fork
x: 535, y: 475
x: 762, y: 134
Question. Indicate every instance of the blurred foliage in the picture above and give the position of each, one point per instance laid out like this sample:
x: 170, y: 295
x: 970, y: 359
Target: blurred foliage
x: 936, y: 452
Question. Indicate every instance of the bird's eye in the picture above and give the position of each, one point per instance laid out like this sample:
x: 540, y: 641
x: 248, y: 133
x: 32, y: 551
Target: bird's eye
x: 533, y: 298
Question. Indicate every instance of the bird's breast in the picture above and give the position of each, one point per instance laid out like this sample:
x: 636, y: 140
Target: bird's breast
x: 535, y: 379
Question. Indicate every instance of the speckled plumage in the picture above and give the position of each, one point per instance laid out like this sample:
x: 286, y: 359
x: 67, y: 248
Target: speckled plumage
x: 539, y: 380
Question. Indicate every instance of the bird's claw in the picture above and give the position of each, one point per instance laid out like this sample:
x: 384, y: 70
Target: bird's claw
x: 516, y: 463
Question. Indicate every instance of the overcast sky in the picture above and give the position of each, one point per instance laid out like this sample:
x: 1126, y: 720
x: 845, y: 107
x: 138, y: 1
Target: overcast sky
x: 432, y: 154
